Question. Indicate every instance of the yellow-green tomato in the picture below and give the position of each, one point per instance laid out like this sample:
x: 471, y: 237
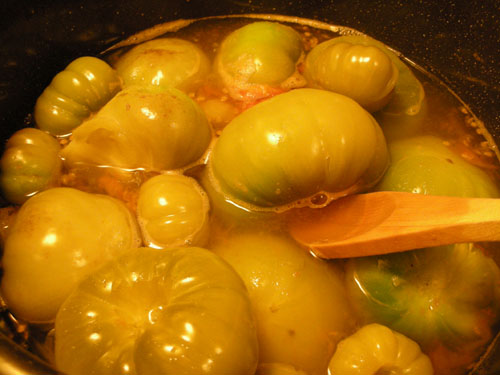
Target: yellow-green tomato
x: 30, y: 164
x: 58, y: 237
x: 183, y: 311
x: 258, y: 57
x: 278, y: 369
x: 232, y: 215
x: 299, y: 301
x: 82, y: 88
x: 408, y: 93
x: 154, y: 129
x: 445, y: 296
x: 164, y: 62
x: 375, y: 349
x: 172, y: 210
x: 295, y: 145
x: 426, y: 165
x: 363, y: 73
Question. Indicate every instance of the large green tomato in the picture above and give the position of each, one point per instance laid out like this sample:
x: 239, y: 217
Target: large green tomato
x: 299, y: 301
x: 259, y: 59
x: 30, y: 164
x: 426, y: 165
x: 224, y: 211
x: 296, y: 145
x: 446, y: 295
x: 82, y: 88
x: 182, y: 311
x: 172, y: 210
x: 58, y: 237
x: 164, y: 62
x: 363, y: 73
x: 154, y: 129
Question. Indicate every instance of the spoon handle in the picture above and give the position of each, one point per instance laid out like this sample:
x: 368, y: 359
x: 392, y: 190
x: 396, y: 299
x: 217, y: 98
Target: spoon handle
x: 388, y: 222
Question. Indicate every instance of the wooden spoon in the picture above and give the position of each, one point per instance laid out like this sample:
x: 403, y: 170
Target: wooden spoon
x: 388, y: 222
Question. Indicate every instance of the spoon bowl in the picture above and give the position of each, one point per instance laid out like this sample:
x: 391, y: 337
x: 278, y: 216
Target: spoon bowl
x: 389, y: 222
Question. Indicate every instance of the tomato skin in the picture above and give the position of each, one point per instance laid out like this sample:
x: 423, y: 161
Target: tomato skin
x: 58, y: 237
x: 180, y: 311
x: 82, y: 88
x: 425, y: 165
x: 296, y: 145
x: 164, y: 62
x: 156, y: 129
x: 258, y: 59
x: 446, y: 295
x: 409, y: 94
x: 375, y: 348
x: 172, y: 210
x: 363, y: 73
x: 299, y: 301
x: 278, y: 369
x: 30, y: 164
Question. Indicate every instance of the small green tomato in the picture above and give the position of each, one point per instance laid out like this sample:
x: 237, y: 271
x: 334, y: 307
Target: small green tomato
x: 60, y: 236
x: 259, y: 59
x: 296, y: 145
x: 363, y: 73
x: 408, y: 93
x: 82, y: 88
x: 375, y: 349
x: 30, y: 164
x: 164, y: 62
x: 151, y: 128
x: 173, y: 210
x: 183, y: 311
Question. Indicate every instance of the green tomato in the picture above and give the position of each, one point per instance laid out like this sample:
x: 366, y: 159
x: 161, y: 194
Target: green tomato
x: 299, y: 301
x: 257, y: 57
x: 408, y: 93
x: 446, y: 295
x: 30, y: 164
x: 154, y: 129
x: 164, y: 62
x: 375, y: 349
x: 277, y: 369
x: 398, y: 126
x: 59, y: 237
x: 426, y: 165
x: 293, y: 146
x: 82, y: 88
x: 363, y: 73
x: 181, y: 311
x: 225, y: 211
x: 172, y: 210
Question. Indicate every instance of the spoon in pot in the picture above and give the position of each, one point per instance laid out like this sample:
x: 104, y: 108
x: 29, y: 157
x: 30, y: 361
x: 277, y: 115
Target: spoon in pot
x: 389, y: 222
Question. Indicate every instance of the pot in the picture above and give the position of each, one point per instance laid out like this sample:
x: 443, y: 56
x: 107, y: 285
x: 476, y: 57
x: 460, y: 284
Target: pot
x: 454, y: 40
